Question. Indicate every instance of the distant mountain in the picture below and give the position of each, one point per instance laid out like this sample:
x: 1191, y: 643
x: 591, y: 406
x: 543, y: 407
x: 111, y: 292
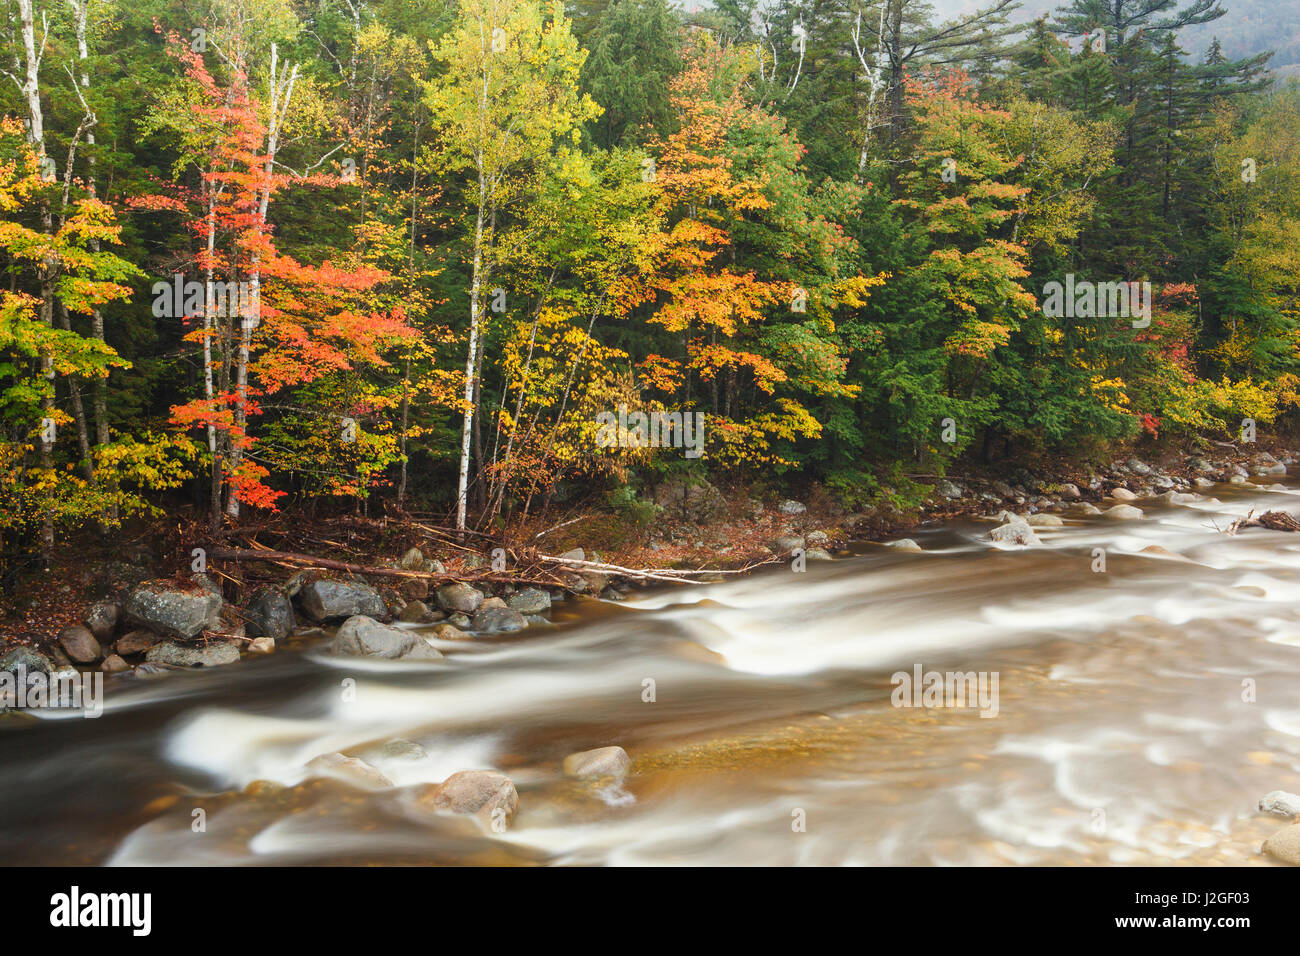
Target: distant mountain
x: 1250, y: 26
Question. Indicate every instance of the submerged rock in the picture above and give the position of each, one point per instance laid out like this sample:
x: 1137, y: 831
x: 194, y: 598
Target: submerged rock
x: 904, y: 544
x: 601, y: 762
x: 212, y: 654
x: 361, y: 636
x: 172, y: 609
x: 331, y: 600
x: 450, y: 632
x: 351, y: 770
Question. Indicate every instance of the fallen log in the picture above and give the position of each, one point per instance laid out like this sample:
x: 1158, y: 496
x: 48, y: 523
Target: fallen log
x: 1273, y: 520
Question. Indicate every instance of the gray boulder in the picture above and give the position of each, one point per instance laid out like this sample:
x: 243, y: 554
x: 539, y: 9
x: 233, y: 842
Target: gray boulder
x: 332, y: 600
x: 459, y: 598
x: 698, y: 503
x: 212, y: 654
x: 498, y: 620
x: 270, y: 614
x: 361, y: 636
x: 1015, y: 530
x: 102, y: 618
x: 173, y: 609
x: 530, y: 601
x: 26, y: 660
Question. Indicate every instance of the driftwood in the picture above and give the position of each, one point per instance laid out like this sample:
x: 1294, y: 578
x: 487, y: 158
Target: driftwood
x: 532, y: 568
x: 1273, y: 520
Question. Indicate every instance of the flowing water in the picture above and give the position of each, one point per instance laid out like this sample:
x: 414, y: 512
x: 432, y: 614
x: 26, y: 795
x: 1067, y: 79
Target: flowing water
x: 1141, y: 712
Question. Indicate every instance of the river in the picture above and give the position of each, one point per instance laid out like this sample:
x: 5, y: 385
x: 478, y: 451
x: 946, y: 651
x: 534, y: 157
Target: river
x: 1141, y: 713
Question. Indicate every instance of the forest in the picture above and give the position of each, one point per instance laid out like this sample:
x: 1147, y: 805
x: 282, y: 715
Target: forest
x: 411, y: 256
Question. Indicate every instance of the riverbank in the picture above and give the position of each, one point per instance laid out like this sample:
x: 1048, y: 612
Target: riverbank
x: 74, y: 614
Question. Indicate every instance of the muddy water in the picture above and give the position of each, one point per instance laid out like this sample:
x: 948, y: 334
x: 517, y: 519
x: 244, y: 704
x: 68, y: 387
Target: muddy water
x: 1121, y: 735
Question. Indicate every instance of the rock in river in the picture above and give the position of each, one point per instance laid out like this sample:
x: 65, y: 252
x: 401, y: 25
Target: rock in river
x: 173, y: 609
x: 530, y: 601
x: 478, y: 792
x: 498, y: 620
x: 351, y: 770
x: 1285, y: 844
x: 1016, y: 530
x: 211, y: 654
x: 331, y: 600
x: 459, y: 597
x: 601, y: 762
x: 361, y: 636
x: 1122, y: 513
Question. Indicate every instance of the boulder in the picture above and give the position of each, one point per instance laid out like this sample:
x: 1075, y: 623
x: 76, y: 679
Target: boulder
x: 601, y: 762
x: 361, y: 636
x: 1122, y: 513
x: 1280, y: 802
x: 478, y: 792
x: 498, y: 620
x: 114, y: 665
x: 413, y: 560
x: 270, y: 614
x: 530, y: 601
x: 817, y: 539
x: 102, y: 618
x: 948, y: 489
x: 459, y: 598
x: 904, y: 544
x: 1285, y: 844
x: 79, y: 644
x: 698, y: 503
x: 1122, y: 494
x: 417, y: 612
x: 26, y: 660
x: 415, y: 589
x: 1070, y: 491
x: 1015, y: 530
x: 136, y: 642
x: 261, y: 645
x: 1087, y: 508
x: 212, y: 654
x: 817, y: 554
x: 786, y: 543
x: 325, y: 600
x: 1044, y: 521
x: 450, y: 632
x: 173, y: 609
x: 792, y: 507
